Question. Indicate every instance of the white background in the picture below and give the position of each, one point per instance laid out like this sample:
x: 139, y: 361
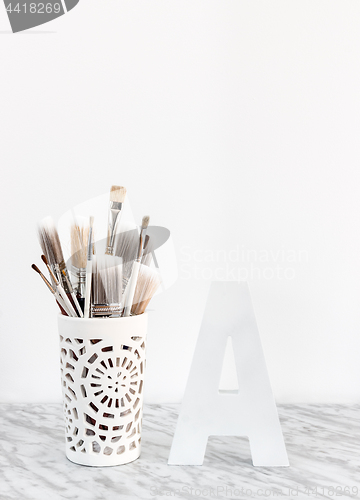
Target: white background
x: 233, y: 123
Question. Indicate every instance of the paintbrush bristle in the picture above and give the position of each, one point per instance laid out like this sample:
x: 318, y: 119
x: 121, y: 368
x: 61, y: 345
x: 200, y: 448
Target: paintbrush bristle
x: 106, y: 285
x: 50, y: 241
x: 145, y: 222
x: 36, y: 268
x: 91, y: 222
x: 148, y: 282
x: 117, y: 194
x: 45, y: 243
x: 127, y: 247
x: 79, y: 239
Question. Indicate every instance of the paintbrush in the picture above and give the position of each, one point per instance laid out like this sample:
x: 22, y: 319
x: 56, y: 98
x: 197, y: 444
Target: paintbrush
x: 60, y: 290
x: 75, y: 300
x: 79, y: 236
x: 51, y: 246
x: 117, y: 198
x: 148, y: 282
x: 130, y: 290
x: 106, y: 287
x: 89, y: 270
x: 127, y: 247
x: 147, y: 257
x: 58, y: 298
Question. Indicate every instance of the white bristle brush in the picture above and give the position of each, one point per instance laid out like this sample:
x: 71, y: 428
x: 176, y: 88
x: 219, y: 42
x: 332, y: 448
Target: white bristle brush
x: 130, y: 289
x: 89, y: 270
x: 117, y: 198
x: 148, y: 283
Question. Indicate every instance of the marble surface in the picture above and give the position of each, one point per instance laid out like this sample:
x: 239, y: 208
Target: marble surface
x: 323, y: 443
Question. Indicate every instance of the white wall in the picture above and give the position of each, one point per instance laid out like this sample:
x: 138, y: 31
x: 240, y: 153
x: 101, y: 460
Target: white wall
x: 233, y: 123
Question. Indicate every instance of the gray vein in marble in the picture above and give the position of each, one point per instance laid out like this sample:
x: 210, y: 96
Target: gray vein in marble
x: 323, y: 443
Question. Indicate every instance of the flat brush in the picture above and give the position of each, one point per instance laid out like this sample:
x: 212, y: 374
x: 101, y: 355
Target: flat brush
x: 56, y: 294
x: 117, y: 198
x: 69, y: 307
x: 106, y: 288
x: 130, y: 291
x: 88, y: 270
x: 147, y: 284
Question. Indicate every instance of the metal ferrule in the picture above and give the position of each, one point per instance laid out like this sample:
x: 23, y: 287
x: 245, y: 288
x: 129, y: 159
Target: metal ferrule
x: 56, y: 270
x: 114, y: 212
x: 79, y: 280
x: 59, y: 268
x: 106, y: 310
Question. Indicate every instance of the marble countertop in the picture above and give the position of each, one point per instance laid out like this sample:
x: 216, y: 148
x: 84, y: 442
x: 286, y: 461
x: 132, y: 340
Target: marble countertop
x: 323, y: 444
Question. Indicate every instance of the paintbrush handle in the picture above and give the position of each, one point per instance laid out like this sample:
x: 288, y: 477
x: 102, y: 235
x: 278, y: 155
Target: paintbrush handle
x: 52, y: 290
x: 70, y: 287
x: 88, y: 289
x: 114, y: 217
x: 67, y: 302
x: 61, y: 302
x: 77, y: 305
x: 130, y: 291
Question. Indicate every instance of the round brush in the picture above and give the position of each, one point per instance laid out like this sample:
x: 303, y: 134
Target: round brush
x: 58, y: 299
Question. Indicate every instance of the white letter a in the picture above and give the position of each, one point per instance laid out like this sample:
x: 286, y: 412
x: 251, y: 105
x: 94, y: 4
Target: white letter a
x: 250, y: 411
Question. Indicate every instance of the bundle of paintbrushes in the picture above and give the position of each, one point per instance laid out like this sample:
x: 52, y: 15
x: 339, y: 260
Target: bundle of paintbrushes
x: 119, y: 282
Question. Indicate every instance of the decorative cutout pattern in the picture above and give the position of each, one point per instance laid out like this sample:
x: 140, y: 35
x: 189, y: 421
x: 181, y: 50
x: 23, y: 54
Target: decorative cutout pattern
x: 102, y: 393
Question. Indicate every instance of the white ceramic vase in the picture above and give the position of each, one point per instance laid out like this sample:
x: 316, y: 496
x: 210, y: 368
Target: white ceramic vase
x: 102, y: 373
